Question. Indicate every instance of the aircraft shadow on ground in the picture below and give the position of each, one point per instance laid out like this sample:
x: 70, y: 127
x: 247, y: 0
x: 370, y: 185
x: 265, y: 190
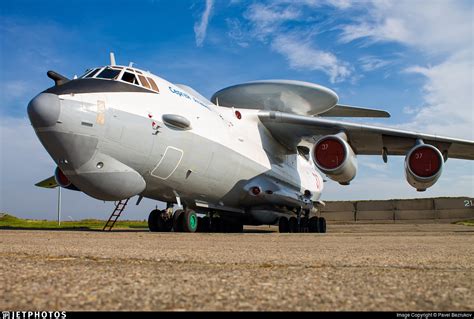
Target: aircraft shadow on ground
x: 130, y: 230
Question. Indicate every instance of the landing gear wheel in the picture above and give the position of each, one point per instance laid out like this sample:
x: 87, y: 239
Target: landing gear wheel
x: 293, y: 225
x: 283, y: 225
x: 157, y: 221
x: 204, y: 225
x: 303, y: 225
x: 235, y: 227
x: 322, y: 225
x: 153, y: 220
x: 189, y: 221
x: 239, y: 227
x: 164, y: 223
x: 178, y: 220
x: 313, y: 225
x: 216, y: 225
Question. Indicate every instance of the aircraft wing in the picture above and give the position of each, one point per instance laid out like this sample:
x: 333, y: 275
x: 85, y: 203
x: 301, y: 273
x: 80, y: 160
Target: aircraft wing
x: 291, y: 129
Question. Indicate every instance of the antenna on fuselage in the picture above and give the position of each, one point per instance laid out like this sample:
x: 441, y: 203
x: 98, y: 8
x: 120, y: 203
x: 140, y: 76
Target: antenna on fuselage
x: 112, y: 58
x: 131, y: 64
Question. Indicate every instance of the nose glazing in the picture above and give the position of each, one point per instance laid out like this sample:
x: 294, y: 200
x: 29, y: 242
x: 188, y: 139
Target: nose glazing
x: 43, y: 110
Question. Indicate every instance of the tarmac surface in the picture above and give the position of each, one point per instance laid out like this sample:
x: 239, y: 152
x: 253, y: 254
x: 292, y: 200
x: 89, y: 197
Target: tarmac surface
x: 388, y: 267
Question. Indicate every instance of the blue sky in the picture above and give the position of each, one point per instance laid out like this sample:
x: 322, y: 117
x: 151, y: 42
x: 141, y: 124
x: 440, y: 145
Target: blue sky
x: 396, y: 55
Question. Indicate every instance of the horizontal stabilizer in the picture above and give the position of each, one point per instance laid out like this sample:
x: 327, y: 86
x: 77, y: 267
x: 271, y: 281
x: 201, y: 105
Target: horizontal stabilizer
x: 50, y: 182
x: 353, y: 111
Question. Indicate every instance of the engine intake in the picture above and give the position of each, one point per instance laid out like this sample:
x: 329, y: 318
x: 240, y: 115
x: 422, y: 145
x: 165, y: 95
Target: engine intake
x: 423, y: 166
x: 333, y: 156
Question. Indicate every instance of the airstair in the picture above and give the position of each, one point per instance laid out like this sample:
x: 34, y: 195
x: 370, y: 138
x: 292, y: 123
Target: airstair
x: 119, y: 207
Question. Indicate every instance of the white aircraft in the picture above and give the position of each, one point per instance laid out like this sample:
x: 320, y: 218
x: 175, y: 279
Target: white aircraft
x: 247, y: 156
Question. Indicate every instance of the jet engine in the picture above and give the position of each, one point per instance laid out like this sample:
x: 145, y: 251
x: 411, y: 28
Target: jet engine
x: 423, y: 166
x: 335, y: 158
x: 62, y: 180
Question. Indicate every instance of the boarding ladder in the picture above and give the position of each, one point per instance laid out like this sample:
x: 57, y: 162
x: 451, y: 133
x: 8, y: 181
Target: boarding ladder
x: 119, y: 207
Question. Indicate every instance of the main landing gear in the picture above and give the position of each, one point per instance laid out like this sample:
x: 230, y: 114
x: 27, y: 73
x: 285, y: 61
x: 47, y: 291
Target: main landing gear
x: 306, y: 225
x: 187, y: 221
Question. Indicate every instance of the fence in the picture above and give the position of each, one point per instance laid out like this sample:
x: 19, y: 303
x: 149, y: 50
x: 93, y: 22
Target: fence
x: 400, y: 210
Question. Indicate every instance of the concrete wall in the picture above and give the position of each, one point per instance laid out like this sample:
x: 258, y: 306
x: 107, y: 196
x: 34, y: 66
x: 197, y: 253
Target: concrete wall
x: 400, y: 210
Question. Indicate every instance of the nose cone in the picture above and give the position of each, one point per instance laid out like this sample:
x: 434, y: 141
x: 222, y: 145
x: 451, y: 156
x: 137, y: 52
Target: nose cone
x: 43, y: 110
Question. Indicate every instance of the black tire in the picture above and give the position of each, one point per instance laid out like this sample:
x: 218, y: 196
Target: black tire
x: 216, y: 225
x: 293, y: 225
x: 178, y: 220
x: 153, y: 220
x: 190, y: 221
x: 313, y: 224
x: 235, y: 226
x: 283, y: 225
x: 164, y: 224
x: 239, y: 227
x: 303, y: 225
x: 225, y: 226
x: 206, y: 224
x: 322, y: 225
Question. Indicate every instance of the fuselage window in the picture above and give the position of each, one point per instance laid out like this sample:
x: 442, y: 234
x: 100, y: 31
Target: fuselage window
x: 144, y: 81
x: 109, y: 73
x: 129, y: 77
x: 153, y: 84
x: 90, y: 75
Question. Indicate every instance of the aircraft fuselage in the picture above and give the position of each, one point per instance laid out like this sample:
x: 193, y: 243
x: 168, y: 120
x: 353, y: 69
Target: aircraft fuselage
x: 114, y: 140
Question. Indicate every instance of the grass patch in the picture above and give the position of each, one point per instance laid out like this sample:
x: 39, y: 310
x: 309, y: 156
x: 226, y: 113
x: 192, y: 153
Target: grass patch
x: 11, y: 222
x: 469, y: 222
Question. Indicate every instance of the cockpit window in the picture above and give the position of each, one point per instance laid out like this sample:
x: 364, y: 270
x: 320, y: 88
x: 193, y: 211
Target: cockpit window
x: 144, y: 81
x: 129, y: 77
x: 91, y: 74
x: 124, y: 74
x: 109, y: 73
x: 153, y: 84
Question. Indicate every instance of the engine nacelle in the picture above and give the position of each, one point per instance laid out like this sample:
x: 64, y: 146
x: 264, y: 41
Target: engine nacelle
x: 62, y: 180
x: 423, y: 166
x: 335, y: 158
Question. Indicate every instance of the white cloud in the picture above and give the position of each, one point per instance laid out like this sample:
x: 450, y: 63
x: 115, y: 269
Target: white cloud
x: 268, y: 24
x: 437, y: 26
x: 372, y: 63
x: 442, y: 31
x: 236, y: 33
x: 448, y: 95
x: 301, y: 55
x: 200, y: 28
x: 267, y: 19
